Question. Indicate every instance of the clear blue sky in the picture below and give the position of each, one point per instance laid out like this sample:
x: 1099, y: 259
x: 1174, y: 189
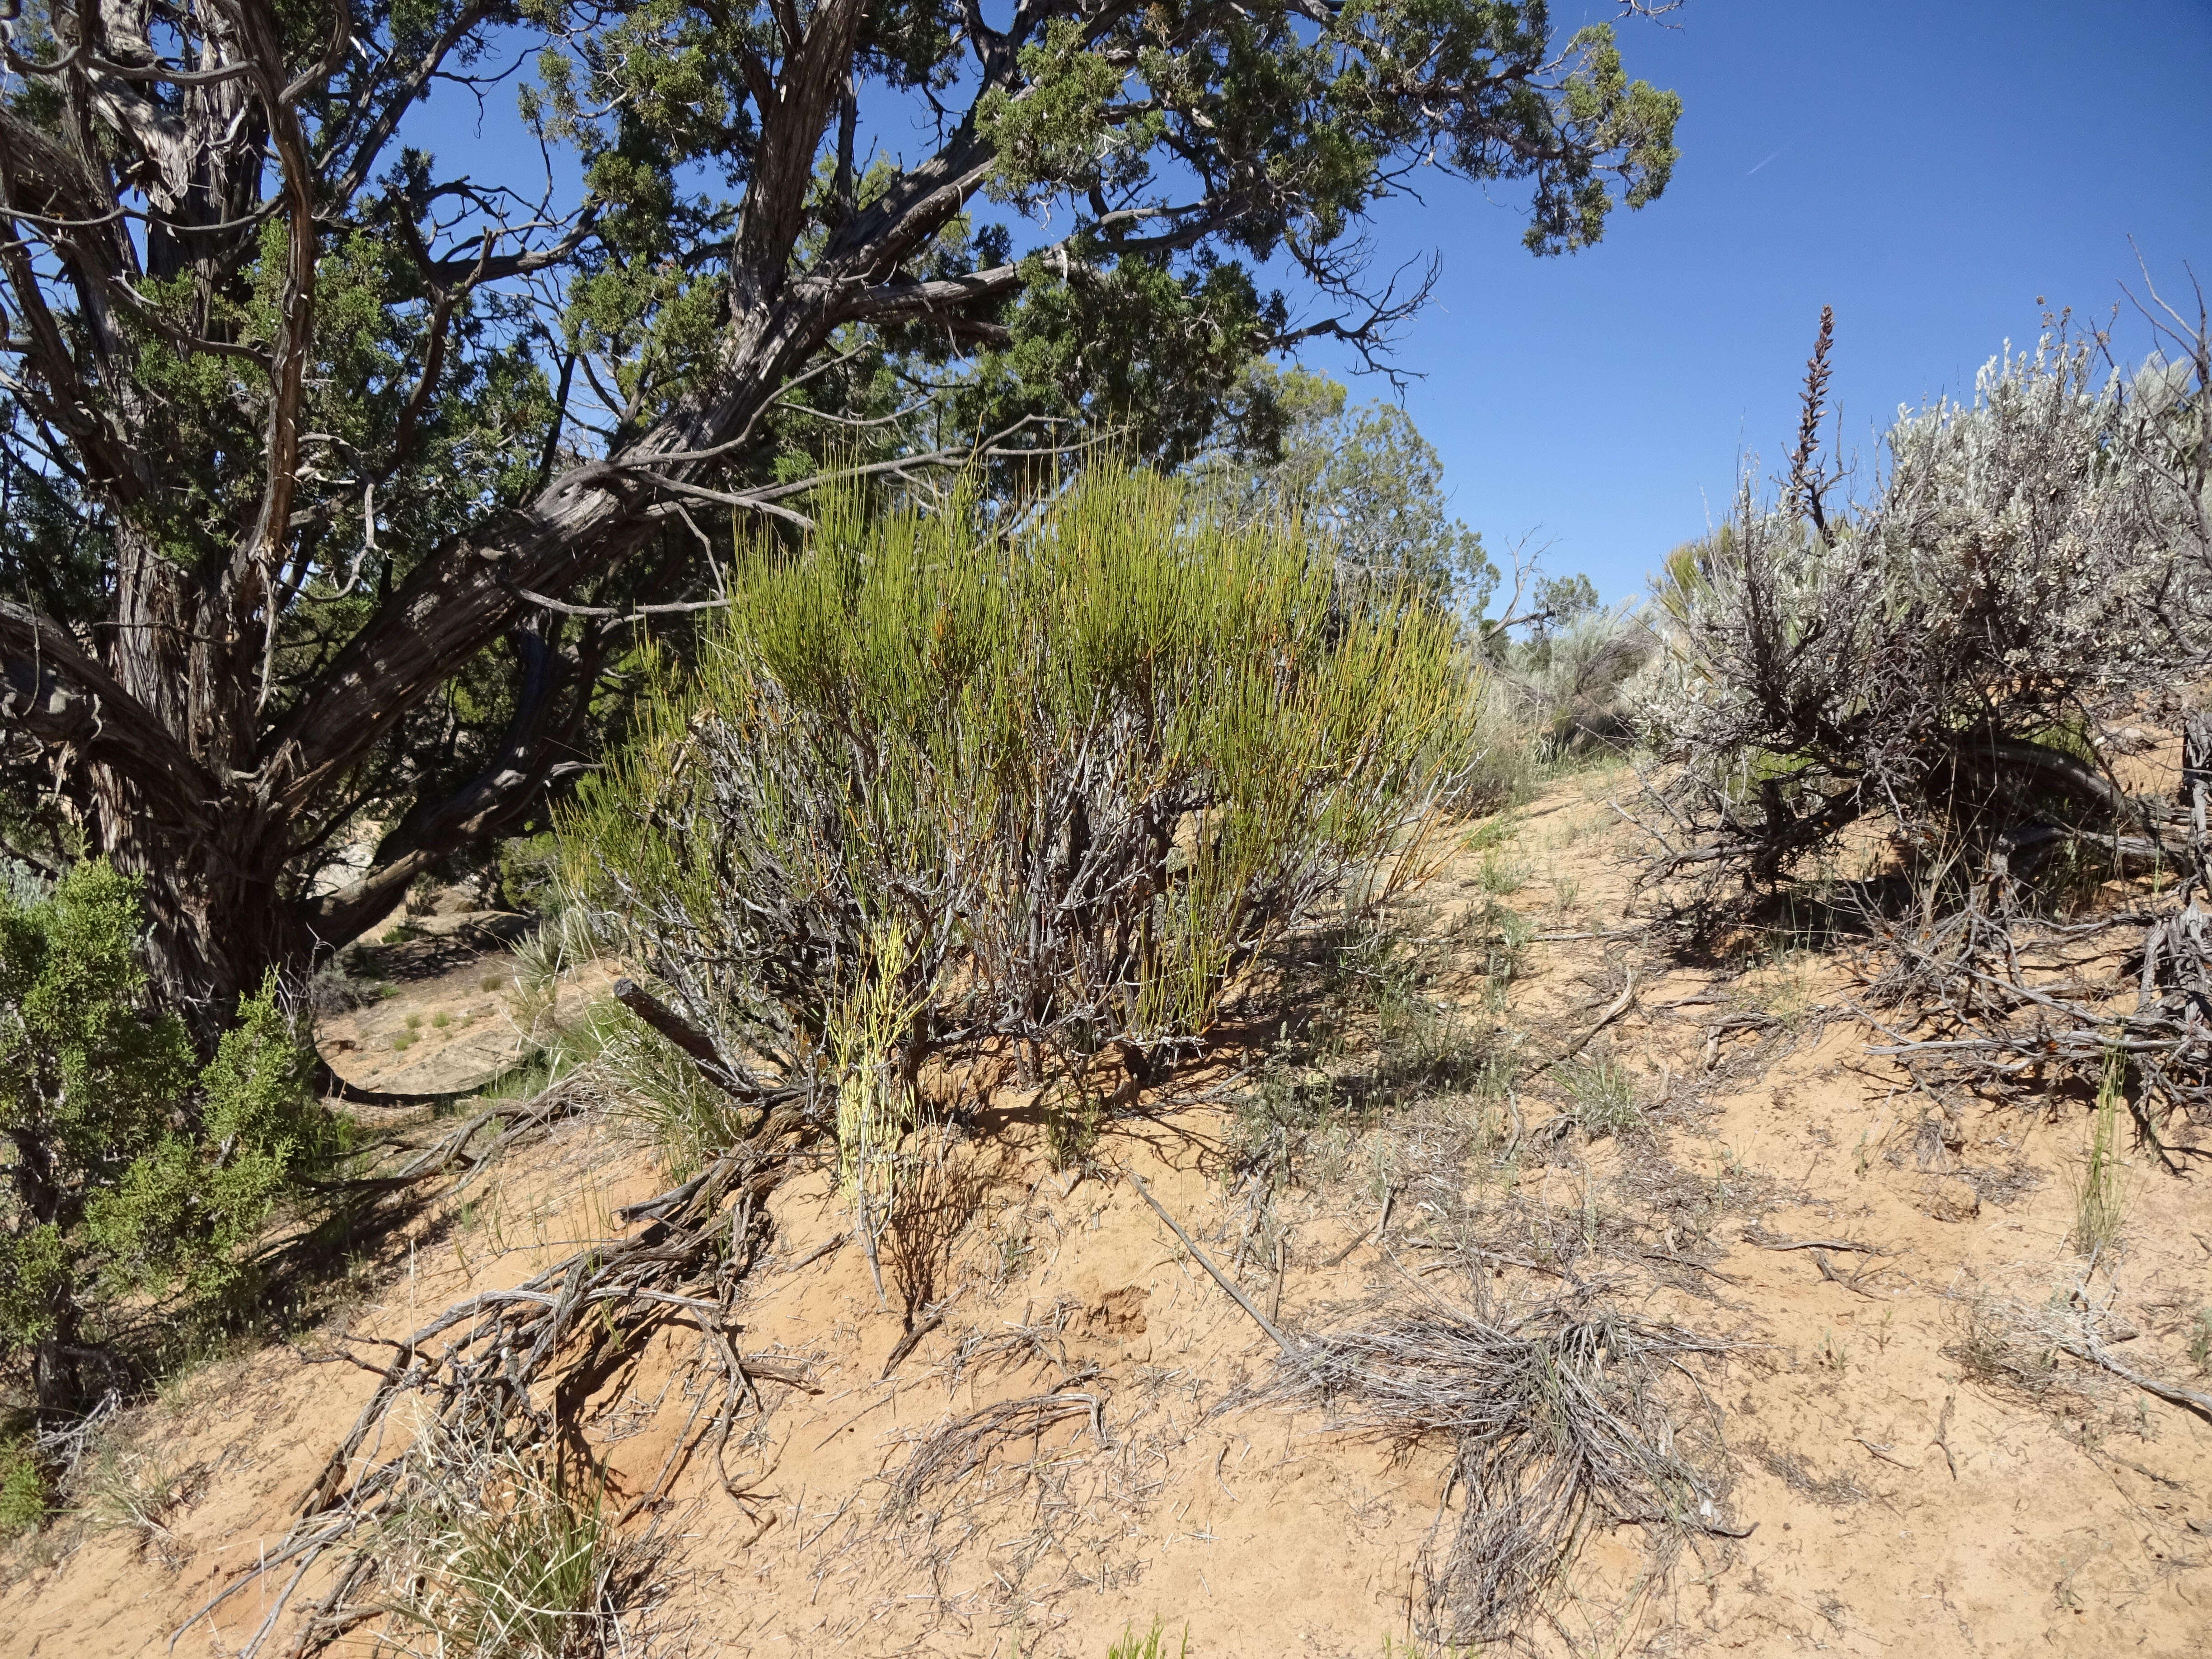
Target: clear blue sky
x: 1929, y: 167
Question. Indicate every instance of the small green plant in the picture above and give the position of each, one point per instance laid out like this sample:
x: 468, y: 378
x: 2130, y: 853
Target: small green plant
x: 1832, y: 1354
x: 1493, y: 832
x: 1501, y: 874
x: 1567, y: 890
x: 2100, y: 1197
x: 1150, y: 1646
x: 1073, y: 1114
x: 440, y: 1020
x: 2200, y: 1340
x: 1506, y: 936
x: 402, y: 1040
x: 1013, y: 1246
x: 1601, y: 1095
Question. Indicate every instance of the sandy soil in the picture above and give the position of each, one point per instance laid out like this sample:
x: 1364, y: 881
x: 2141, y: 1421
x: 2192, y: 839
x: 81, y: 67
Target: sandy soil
x: 1896, y: 1493
x: 450, y: 1017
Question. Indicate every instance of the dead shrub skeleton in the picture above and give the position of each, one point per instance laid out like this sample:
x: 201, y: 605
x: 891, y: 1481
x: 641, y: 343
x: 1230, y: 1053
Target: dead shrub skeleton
x: 1557, y: 1421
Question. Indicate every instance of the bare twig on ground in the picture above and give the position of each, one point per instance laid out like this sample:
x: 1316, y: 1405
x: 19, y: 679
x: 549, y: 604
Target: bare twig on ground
x: 2086, y: 1348
x: 1289, y: 1348
x: 1887, y: 1454
x: 1614, y: 1010
x: 943, y: 1461
x: 1943, y: 1440
x: 1769, y: 1243
x: 905, y: 1345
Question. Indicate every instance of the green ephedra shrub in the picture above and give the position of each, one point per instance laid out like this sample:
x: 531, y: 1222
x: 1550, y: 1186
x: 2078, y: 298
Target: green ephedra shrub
x: 137, y: 1174
x: 1057, y: 789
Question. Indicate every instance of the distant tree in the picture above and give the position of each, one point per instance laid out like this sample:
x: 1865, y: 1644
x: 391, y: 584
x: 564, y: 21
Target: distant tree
x: 342, y: 476
x: 134, y: 1170
x: 1560, y: 602
x: 1364, y: 478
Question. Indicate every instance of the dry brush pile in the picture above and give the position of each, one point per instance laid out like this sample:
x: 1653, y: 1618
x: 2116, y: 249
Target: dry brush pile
x: 1557, y: 1416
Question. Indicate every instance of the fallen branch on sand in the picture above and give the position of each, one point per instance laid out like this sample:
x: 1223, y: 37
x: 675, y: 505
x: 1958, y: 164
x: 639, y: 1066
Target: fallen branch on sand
x: 2188, y: 1400
x: 1221, y: 1278
x: 1618, y: 1007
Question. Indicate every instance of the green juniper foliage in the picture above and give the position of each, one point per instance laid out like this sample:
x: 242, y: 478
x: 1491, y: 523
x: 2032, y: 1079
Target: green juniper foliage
x: 136, y: 1172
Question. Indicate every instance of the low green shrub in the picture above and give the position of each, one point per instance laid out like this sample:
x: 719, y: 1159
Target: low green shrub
x: 139, y: 1174
x: 1061, y: 788
x: 24, y: 1491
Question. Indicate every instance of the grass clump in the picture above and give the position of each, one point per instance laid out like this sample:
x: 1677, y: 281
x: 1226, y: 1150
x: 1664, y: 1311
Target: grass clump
x: 2101, y: 1195
x: 510, y: 1560
x: 136, y: 1492
x: 1060, y: 790
x: 662, y: 1095
x: 1152, y: 1644
x: 1601, y: 1095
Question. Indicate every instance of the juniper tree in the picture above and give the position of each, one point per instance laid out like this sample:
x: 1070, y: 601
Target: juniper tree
x: 340, y: 473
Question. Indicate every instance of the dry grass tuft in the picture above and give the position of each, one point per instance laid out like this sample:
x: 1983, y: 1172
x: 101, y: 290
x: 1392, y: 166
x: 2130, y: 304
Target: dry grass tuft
x: 943, y: 1460
x: 510, y: 1561
x: 1601, y: 1095
x: 2012, y: 1347
x: 2100, y: 1196
x: 1557, y: 1418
